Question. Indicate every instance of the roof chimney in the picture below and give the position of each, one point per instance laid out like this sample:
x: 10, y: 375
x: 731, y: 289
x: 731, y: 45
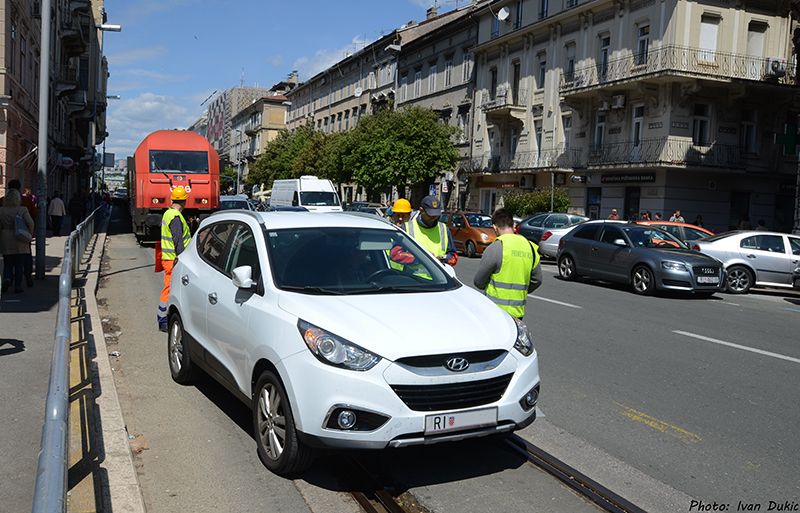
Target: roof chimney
x: 432, y: 12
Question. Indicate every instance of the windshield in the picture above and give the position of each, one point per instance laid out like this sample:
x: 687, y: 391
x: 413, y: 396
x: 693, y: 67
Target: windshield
x: 650, y: 237
x: 319, y: 199
x: 333, y: 261
x: 233, y: 204
x: 479, y: 220
x: 176, y: 161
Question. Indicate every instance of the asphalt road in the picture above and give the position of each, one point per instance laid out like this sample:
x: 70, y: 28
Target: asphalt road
x: 195, y: 446
x: 655, y: 382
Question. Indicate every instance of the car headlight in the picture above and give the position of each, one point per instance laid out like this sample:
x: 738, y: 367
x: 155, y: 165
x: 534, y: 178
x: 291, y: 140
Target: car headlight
x: 336, y: 351
x: 669, y: 265
x: 524, y: 342
x: 484, y: 237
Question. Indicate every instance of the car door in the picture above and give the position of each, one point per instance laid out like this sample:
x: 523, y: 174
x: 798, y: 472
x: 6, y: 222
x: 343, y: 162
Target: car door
x: 609, y: 260
x: 458, y: 227
x: 229, y: 307
x: 767, y: 254
x: 581, y: 245
x: 531, y: 229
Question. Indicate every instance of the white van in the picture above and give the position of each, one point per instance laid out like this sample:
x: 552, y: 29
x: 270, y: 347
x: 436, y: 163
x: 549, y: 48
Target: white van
x: 310, y: 192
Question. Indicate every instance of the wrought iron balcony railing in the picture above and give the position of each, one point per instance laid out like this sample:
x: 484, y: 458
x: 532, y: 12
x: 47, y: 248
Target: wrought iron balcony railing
x: 553, y: 158
x: 666, y: 151
x: 681, y: 60
x: 505, y: 97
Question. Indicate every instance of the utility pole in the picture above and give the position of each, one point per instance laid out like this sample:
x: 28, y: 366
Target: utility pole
x: 44, y: 111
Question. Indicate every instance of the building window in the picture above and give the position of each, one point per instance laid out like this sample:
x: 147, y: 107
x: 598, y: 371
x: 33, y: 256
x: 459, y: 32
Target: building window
x: 23, y: 53
x: 462, y: 121
x: 347, y: 120
x: 749, y: 141
x: 636, y: 125
x: 432, y: 78
x: 542, y: 71
x: 514, y: 141
x: 493, y: 83
x: 518, y: 15
x: 466, y: 67
x: 543, y: 7
x: 709, y: 28
x: 642, y: 44
x: 495, y: 26
x: 566, y: 123
x: 448, y: 72
x: 602, y: 59
x: 371, y: 80
x: 403, y: 87
x: 417, y: 83
x: 599, y: 130
x: 515, y: 81
x: 569, y: 64
x: 538, y: 131
x: 701, y: 124
x: 756, y: 33
x: 12, y: 49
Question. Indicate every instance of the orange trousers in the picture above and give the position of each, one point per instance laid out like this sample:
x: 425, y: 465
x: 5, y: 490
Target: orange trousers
x: 167, y: 265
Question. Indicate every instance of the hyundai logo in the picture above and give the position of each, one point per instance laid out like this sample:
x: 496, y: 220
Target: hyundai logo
x: 457, y: 364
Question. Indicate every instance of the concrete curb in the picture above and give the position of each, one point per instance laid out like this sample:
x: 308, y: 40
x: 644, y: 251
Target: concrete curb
x: 122, y: 491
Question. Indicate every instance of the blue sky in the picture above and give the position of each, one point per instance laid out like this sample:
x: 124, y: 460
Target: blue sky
x: 172, y: 54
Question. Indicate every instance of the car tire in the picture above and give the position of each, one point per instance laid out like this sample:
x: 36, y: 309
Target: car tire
x: 181, y: 367
x: 566, y: 268
x: 643, y: 281
x: 469, y: 249
x: 271, y: 408
x: 740, y: 280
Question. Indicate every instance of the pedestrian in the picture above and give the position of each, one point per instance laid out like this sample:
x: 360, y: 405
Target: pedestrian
x: 28, y: 201
x: 658, y: 217
x: 509, y: 268
x: 762, y: 226
x: 77, y: 210
x: 614, y: 215
x: 175, y: 236
x: 56, y: 211
x: 677, y: 217
x: 698, y: 221
x: 400, y: 212
x: 645, y: 216
x: 430, y: 233
x: 12, y: 247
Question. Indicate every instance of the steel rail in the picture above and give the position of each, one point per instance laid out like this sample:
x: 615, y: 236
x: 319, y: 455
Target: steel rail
x: 579, y: 482
x: 376, y: 499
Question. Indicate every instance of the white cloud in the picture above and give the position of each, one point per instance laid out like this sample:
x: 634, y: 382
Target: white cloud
x: 276, y: 61
x: 326, y: 57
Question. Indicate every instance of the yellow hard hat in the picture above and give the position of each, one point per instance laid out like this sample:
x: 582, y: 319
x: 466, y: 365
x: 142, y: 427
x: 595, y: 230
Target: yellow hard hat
x: 179, y: 194
x: 401, y: 206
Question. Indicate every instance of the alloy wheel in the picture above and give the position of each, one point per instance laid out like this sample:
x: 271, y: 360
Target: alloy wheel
x: 271, y: 421
x: 566, y: 268
x: 739, y: 280
x: 642, y: 280
x: 176, y: 347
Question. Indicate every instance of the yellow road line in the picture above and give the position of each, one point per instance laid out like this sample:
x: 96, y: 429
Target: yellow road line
x: 658, y: 424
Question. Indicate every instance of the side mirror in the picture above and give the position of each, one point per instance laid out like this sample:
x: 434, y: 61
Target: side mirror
x: 243, y: 277
x: 620, y: 242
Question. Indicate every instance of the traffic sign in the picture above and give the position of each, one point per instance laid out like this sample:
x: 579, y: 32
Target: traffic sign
x: 432, y: 190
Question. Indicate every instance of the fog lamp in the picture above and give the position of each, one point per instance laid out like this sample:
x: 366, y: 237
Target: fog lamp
x: 346, y: 419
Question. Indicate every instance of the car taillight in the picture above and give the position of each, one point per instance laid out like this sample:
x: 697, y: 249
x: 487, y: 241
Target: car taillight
x: 516, y: 229
x: 696, y: 247
x: 546, y: 235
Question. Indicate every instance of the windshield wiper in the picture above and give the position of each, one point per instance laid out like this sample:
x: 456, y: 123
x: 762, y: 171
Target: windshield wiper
x: 389, y: 288
x: 313, y: 290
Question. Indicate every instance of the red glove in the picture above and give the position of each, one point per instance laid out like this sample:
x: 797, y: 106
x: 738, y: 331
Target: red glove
x: 401, y: 256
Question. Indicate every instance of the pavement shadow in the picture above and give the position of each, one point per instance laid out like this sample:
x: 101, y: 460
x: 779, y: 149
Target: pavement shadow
x: 42, y: 297
x: 17, y: 346
x: 626, y: 288
x: 792, y: 301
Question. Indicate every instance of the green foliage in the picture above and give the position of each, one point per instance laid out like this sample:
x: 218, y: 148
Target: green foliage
x: 284, y: 157
x: 227, y: 179
x: 526, y: 203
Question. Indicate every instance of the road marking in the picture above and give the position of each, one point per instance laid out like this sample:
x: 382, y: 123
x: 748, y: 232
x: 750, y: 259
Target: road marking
x: 737, y: 346
x: 568, y: 305
x: 548, y: 270
x: 658, y: 424
x: 792, y: 309
x: 730, y: 304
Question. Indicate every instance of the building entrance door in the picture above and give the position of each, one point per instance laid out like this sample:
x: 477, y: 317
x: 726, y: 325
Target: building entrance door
x: 488, y: 200
x: 632, y: 195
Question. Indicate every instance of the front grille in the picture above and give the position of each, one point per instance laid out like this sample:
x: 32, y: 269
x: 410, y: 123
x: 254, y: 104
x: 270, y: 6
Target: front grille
x: 705, y: 270
x: 676, y: 283
x: 438, y: 360
x: 453, y: 396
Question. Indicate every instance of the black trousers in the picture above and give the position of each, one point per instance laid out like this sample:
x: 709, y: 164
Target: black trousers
x: 13, y: 267
x: 57, y: 225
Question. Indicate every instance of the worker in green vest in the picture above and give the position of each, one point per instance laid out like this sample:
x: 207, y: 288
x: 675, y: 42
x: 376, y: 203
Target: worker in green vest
x: 430, y: 233
x: 509, y: 268
x: 175, y: 236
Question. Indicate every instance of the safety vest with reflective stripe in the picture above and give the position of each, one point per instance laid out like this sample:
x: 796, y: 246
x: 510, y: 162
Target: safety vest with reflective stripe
x: 167, y: 245
x: 508, y: 288
x: 435, y: 239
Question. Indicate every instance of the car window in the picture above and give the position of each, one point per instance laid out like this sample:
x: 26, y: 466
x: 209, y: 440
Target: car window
x: 479, y: 220
x: 445, y: 218
x: 610, y: 234
x: 587, y: 231
x: 243, y: 251
x: 211, y: 242
x: 671, y: 229
x: 650, y: 237
x: 794, y: 243
x: 694, y: 233
x: 771, y: 243
x: 536, y: 220
x: 556, y: 221
x: 576, y: 219
x: 458, y: 221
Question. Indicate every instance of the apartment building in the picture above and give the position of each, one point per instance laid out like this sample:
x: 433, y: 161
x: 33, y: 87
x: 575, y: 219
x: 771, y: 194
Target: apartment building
x: 201, y: 125
x: 221, y: 112
x: 78, y: 73
x: 641, y: 105
x: 254, y: 127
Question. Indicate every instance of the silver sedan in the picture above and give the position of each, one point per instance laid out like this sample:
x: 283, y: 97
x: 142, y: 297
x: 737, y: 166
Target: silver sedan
x: 754, y: 258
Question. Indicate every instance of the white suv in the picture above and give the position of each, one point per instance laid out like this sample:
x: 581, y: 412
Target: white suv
x: 311, y: 319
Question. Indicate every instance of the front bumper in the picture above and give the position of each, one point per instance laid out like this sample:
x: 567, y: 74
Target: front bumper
x: 687, y: 281
x: 321, y: 388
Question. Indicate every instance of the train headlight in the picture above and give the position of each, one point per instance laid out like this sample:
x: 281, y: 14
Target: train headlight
x: 155, y: 201
x: 204, y: 201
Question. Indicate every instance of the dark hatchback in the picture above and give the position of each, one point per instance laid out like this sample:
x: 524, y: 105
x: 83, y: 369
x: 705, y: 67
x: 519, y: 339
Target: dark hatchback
x: 646, y: 258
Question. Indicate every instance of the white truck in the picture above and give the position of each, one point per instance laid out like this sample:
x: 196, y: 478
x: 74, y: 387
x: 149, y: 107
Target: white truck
x: 315, y: 194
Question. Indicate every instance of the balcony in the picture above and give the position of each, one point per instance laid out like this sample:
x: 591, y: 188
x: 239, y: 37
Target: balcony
x: 670, y: 152
x: 531, y: 161
x: 508, y: 102
x: 77, y: 103
x: 74, y: 41
x: 83, y: 6
x: 673, y: 60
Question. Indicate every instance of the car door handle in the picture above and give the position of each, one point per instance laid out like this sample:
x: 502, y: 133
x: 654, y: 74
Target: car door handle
x: 594, y: 249
x: 185, y: 279
x: 212, y: 298
x: 750, y: 256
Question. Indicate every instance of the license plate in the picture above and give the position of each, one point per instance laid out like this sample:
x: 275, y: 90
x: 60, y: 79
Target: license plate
x: 708, y: 279
x: 447, y: 422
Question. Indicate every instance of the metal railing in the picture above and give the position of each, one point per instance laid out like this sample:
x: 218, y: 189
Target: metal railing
x: 505, y: 97
x: 683, y: 60
x: 552, y: 158
x: 666, y: 151
x: 50, y: 492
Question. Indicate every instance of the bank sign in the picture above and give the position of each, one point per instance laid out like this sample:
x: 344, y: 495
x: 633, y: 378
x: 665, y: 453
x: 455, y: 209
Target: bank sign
x: 631, y: 178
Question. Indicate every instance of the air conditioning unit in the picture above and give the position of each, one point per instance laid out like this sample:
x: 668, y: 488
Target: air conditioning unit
x: 618, y: 101
x: 776, y: 67
x: 603, y: 106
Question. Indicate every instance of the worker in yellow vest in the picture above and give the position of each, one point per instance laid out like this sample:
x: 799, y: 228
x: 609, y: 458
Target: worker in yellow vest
x: 401, y: 211
x: 175, y: 236
x: 430, y: 233
x: 509, y: 268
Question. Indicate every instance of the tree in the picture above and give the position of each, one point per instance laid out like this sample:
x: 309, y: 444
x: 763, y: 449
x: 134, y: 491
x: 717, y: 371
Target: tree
x: 402, y: 147
x: 526, y: 203
x: 333, y: 165
x: 227, y: 179
x: 281, y: 157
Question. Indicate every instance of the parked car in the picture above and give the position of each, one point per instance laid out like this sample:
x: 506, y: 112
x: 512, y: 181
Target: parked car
x: 645, y: 257
x: 360, y: 206
x: 682, y: 231
x: 548, y: 244
x: 295, y: 315
x: 533, y: 227
x: 796, y: 278
x: 472, y: 231
x: 754, y: 258
x: 120, y: 195
x: 234, y: 202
